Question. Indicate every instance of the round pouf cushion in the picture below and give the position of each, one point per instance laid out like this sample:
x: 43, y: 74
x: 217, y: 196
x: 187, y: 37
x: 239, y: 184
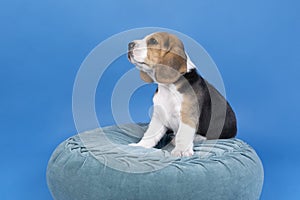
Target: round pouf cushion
x: 99, y: 164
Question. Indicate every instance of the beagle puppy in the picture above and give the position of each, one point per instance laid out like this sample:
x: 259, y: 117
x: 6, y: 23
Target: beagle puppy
x: 184, y: 101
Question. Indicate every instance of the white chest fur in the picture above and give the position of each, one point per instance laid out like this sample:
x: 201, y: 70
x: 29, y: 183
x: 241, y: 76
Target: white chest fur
x: 167, y: 106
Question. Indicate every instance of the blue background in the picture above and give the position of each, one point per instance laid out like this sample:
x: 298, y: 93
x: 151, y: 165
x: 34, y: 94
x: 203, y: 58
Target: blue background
x: 254, y: 43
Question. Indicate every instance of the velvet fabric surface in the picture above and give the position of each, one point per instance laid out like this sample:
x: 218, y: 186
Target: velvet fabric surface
x: 99, y: 164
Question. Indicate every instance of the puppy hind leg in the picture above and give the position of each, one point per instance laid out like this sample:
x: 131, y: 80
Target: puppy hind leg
x: 199, y: 138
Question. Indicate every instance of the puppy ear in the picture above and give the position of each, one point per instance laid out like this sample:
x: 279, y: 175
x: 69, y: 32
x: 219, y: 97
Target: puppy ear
x: 145, y: 77
x: 165, y: 74
x: 172, y: 67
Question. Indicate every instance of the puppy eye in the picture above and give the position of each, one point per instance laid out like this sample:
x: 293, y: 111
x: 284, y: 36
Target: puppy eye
x: 152, y: 41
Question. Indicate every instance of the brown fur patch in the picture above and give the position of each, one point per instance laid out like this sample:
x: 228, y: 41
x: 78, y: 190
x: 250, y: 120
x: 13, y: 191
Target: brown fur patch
x: 190, y: 111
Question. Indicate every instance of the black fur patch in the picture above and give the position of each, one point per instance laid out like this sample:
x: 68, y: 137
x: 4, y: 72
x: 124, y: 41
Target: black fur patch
x: 191, y: 76
x: 205, y: 91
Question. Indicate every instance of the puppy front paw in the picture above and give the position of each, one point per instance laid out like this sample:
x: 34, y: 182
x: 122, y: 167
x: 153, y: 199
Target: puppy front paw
x: 182, y: 152
x: 142, y: 143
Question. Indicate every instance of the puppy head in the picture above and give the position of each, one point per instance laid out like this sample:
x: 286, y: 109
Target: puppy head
x: 159, y: 56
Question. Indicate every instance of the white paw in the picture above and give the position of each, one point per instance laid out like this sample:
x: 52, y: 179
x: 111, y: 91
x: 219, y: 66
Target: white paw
x: 182, y: 152
x: 142, y: 143
x: 133, y: 144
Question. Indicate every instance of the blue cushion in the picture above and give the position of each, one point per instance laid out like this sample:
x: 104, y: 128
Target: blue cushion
x: 99, y: 164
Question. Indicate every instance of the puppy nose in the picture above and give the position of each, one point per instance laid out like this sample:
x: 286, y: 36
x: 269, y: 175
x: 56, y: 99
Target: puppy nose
x: 131, y: 45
